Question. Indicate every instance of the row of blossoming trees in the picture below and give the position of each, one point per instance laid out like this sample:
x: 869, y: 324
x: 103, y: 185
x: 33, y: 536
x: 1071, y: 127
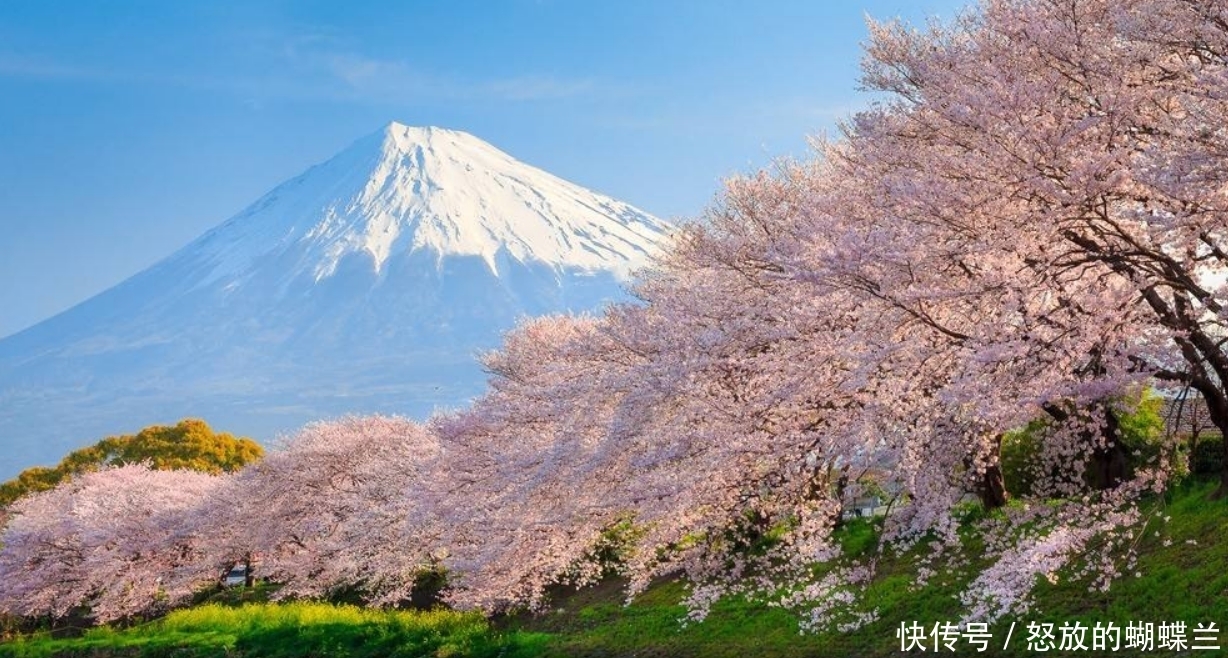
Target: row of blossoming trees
x: 1030, y: 224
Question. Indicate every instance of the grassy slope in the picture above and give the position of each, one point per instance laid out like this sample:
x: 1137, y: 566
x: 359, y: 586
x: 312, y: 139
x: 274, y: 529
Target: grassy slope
x: 1180, y: 582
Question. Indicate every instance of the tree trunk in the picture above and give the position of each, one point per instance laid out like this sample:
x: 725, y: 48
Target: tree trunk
x: 1222, y: 490
x: 993, y: 487
x: 842, y: 483
x: 249, y: 579
x: 1109, y: 464
x: 1217, y: 412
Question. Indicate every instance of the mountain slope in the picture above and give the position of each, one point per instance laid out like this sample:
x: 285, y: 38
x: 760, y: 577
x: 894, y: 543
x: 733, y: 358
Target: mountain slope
x: 365, y: 284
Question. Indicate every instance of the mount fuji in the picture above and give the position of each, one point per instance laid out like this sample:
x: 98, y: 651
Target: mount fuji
x: 366, y: 284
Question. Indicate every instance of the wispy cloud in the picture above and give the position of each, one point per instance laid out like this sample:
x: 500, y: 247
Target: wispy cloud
x: 21, y: 66
x: 316, y: 66
x: 390, y: 79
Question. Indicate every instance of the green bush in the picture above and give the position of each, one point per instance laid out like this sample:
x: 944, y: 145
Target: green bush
x: 189, y: 444
x: 1207, y: 456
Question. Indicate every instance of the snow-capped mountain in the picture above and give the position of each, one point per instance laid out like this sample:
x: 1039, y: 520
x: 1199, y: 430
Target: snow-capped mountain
x: 368, y: 283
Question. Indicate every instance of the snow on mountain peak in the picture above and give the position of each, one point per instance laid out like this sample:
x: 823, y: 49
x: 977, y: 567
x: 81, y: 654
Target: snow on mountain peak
x: 405, y: 189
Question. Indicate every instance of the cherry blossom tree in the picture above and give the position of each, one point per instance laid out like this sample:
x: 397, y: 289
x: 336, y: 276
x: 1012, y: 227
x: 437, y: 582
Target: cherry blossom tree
x: 333, y: 509
x: 523, y: 482
x: 1053, y: 163
x: 107, y: 542
x: 1083, y: 140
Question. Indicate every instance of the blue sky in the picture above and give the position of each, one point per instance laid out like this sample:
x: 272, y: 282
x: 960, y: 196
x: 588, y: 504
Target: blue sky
x: 129, y: 128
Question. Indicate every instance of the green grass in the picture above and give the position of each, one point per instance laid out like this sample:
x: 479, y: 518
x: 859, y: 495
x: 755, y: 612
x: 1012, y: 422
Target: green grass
x: 1180, y: 581
x: 290, y: 630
